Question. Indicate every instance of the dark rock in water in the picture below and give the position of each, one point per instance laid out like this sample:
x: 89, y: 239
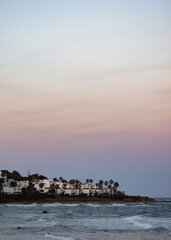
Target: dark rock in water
x: 19, y: 227
x: 45, y: 212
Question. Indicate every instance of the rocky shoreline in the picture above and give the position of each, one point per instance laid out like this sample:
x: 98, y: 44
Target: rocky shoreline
x: 81, y: 199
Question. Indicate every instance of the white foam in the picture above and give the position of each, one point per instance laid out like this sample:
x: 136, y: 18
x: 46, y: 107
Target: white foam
x: 93, y: 205
x: 105, y: 205
x: 149, y: 222
x: 51, y: 236
x: 60, y: 204
x: 51, y: 204
x: 119, y: 205
x: 139, y: 222
x: 21, y: 205
x: 70, y: 204
x: 45, y: 222
x: 141, y: 205
x: 41, y: 220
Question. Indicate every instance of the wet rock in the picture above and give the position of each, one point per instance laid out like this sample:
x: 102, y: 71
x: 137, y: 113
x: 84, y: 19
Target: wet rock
x: 45, y: 211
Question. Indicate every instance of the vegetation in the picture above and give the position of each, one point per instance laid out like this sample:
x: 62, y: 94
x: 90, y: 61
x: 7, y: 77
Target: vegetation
x: 31, y: 192
x: 13, y: 184
x: 33, y: 189
x: 16, y: 176
x: 12, y: 175
x: 1, y: 182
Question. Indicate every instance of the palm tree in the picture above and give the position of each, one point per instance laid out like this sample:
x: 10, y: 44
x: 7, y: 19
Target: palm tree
x: 87, y: 181
x: 52, y: 188
x: 116, y: 185
x: 64, y: 181
x: 29, y: 190
x: 110, y: 187
x: 91, y: 180
x: 35, y: 177
x: 61, y: 178
x: 64, y: 185
x: 41, y: 185
x: 72, y: 181
x: 77, y: 184
x: 111, y: 181
x: 106, y: 183
x: 100, y: 184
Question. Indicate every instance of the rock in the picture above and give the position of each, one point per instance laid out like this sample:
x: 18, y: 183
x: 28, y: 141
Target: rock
x: 45, y: 211
x: 19, y: 227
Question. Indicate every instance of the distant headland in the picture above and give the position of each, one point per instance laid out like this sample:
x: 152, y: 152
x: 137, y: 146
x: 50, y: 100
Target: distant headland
x: 40, y: 189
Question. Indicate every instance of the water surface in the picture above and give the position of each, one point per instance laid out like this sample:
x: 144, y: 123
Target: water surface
x: 116, y: 221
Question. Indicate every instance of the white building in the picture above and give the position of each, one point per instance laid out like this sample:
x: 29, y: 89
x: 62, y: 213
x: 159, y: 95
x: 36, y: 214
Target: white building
x: 8, y: 189
x: 57, y: 187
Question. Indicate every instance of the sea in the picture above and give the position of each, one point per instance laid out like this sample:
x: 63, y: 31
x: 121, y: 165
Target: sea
x: 91, y: 221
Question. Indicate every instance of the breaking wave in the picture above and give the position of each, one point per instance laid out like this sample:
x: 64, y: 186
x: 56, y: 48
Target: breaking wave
x: 149, y: 222
x: 51, y: 236
x: 60, y: 204
x: 21, y: 205
x: 93, y: 205
x: 119, y: 205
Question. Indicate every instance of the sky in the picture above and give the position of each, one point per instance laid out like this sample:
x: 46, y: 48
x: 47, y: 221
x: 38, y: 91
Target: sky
x: 85, y: 91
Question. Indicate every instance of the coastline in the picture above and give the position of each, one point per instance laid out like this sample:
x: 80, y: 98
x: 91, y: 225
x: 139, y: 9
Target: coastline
x: 80, y: 199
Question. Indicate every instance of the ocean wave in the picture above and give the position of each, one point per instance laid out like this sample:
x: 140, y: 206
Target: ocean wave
x: 71, y: 204
x: 60, y: 204
x: 105, y: 205
x: 51, y: 236
x: 93, y: 205
x: 119, y: 205
x: 141, y: 205
x: 139, y: 222
x: 46, y: 222
x: 41, y: 220
x: 149, y: 222
x: 21, y: 205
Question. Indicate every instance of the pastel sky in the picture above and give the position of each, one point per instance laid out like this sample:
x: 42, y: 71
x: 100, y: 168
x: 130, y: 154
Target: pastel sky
x: 85, y: 91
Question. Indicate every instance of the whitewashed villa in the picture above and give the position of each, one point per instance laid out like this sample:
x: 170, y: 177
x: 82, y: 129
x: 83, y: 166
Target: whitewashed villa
x: 54, y: 186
